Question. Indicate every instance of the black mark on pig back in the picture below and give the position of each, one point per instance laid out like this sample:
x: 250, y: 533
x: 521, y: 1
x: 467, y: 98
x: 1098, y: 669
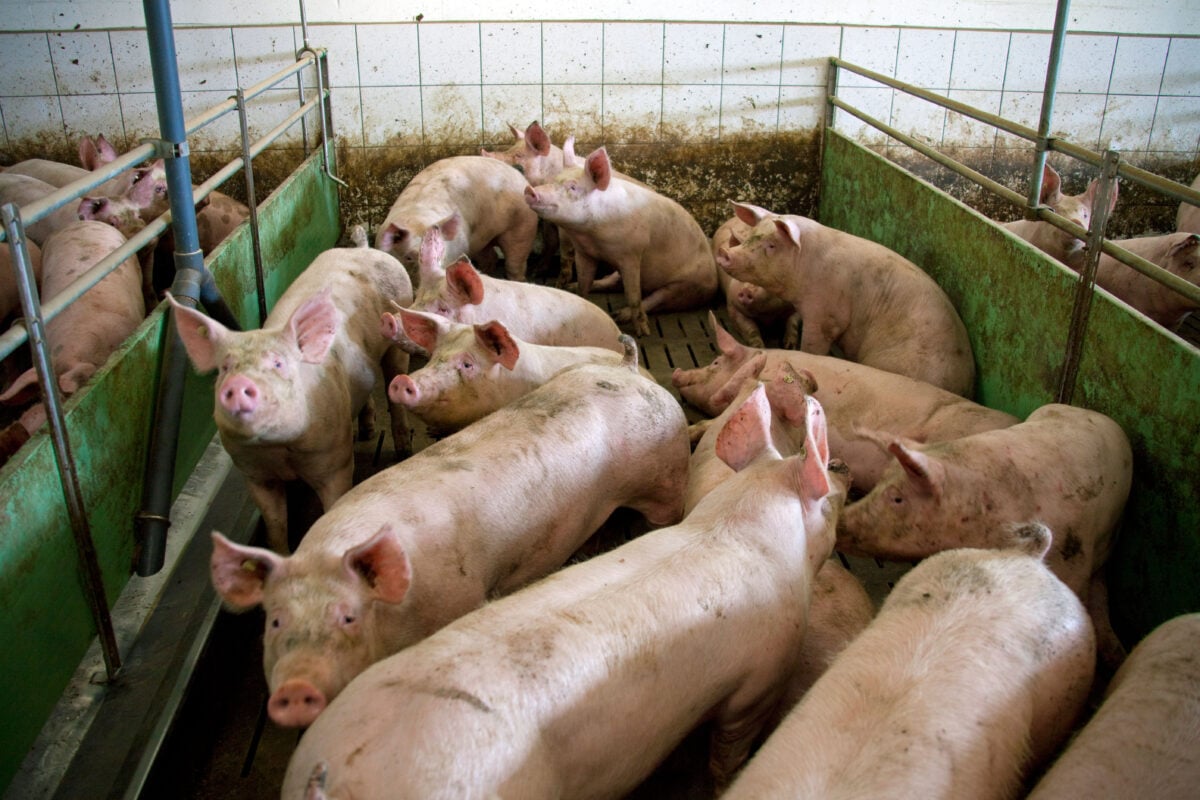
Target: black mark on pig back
x: 466, y: 697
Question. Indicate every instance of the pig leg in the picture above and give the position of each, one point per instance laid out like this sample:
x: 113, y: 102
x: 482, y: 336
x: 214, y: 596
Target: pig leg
x: 730, y: 744
x: 791, y: 331
x: 585, y: 266
x: 1108, y: 646
x: 517, y: 243
x: 746, y: 328
x: 813, y: 339
x: 395, y: 362
x: 608, y: 283
x: 566, y: 259
x: 271, y: 499
x: 634, y: 312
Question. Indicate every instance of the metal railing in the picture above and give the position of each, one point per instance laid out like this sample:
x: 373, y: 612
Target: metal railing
x: 37, y: 314
x: 1109, y: 163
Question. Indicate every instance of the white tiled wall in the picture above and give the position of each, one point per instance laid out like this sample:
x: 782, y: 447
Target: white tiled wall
x: 408, y: 83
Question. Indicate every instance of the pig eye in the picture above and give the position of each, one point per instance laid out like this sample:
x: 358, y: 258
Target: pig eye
x: 275, y: 622
x: 348, y: 619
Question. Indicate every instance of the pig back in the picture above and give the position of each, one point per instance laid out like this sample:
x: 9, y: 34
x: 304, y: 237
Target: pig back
x: 1144, y: 740
x: 972, y: 671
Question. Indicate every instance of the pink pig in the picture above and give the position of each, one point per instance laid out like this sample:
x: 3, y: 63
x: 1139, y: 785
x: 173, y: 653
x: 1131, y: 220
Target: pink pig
x: 854, y: 396
x: 286, y: 395
x: 750, y: 307
x: 478, y: 203
x: 657, y: 248
x: 471, y: 517
x: 535, y: 313
x: 93, y: 154
x: 876, y: 305
x: 21, y: 190
x: 579, y: 685
x: 1144, y: 738
x: 971, y: 675
x: 1187, y: 219
x: 85, y: 333
x: 1069, y: 468
x: 474, y: 369
x: 1077, y: 208
x: 1178, y: 253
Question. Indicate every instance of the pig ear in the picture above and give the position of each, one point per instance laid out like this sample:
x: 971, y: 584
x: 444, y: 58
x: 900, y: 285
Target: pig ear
x: 1051, y: 185
x: 922, y: 471
x: 383, y: 564
x: 498, y: 343
x: 21, y: 390
x: 314, y: 326
x: 201, y: 335
x: 95, y: 153
x: 788, y: 392
x: 537, y: 140
x: 599, y: 168
x: 1191, y: 242
x: 725, y: 341
x: 788, y: 229
x: 516, y: 132
x: 747, y: 432
x: 751, y: 215
x: 722, y: 397
x: 569, y: 158
x: 1094, y: 186
x: 463, y: 280
x: 1033, y: 538
x: 433, y: 250
x: 424, y: 329
x: 239, y: 572
x: 811, y: 466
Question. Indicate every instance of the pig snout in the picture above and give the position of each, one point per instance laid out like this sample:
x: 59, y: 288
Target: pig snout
x: 239, y: 396
x: 403, y: 390
x: 296, y: 703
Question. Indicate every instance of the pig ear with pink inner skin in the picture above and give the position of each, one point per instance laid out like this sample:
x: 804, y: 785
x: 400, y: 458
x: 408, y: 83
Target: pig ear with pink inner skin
x: 464, y: 283
x: 422, y: 328
x: 382, y: 563
x: 599, y: 168
x: 788, y: 229
x: 239, y: 572
x: 1051, y: 186
x: 201, y: 335
x: 314, y: 326
x: 498, y: 344
x: 537, y: 140
x: 924, y: 472
x: 747, y: 432
x: 569, y: 157
x: 1093, y: 187
x: 749, y: 214
x: 788, y: 392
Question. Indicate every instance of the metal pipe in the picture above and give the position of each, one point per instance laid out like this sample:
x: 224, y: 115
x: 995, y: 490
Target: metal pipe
x: 252, y: 203
x: 1044, y: 123
x: 1085, y: 289
x: 189, y: 285
x: 85, y: 546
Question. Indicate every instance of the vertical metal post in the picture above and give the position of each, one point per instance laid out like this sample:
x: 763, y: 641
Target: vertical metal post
x: 831, y: 87
x: 85, y: 547
x: 192, y: 282
x: 1043, y: 140
x: 1084, y: 290
x: 252, y: 202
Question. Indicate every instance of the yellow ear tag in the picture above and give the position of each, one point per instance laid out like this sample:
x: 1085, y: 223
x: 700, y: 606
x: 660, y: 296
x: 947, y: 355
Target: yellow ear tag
x: 250, y: 565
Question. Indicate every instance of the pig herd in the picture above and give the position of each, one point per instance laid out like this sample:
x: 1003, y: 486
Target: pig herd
x: 67, y: 244
x: 427, y: 634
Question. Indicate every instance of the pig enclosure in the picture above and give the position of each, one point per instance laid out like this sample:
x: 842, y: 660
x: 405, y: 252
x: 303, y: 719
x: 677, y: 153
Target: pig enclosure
x: 1015, y: 303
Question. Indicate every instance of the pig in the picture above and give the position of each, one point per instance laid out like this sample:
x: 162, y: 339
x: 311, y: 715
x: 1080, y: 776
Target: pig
x: 474, y: 369
x: 841, y: 607
x: 880, y: 308
x: 854, y: 396
x: 477, y: 202
x: 970, y: 676
x: 286, y: 395
x: 21, y: 190
x: 1187, y: 219
x: 82, y: 337
x: 540, y: 314
x: 657, y: 247
x: 579, y: 685
x: 471, y: 517
x: 1144, y: 739
x: 1178, y: 253
x: 750, y: 307
x: 18, y: 432
x: 93, y: 154
x: 10, y: 298
x: 1068, y: 467
x: 539, y: 160
x: 1059, y: 244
